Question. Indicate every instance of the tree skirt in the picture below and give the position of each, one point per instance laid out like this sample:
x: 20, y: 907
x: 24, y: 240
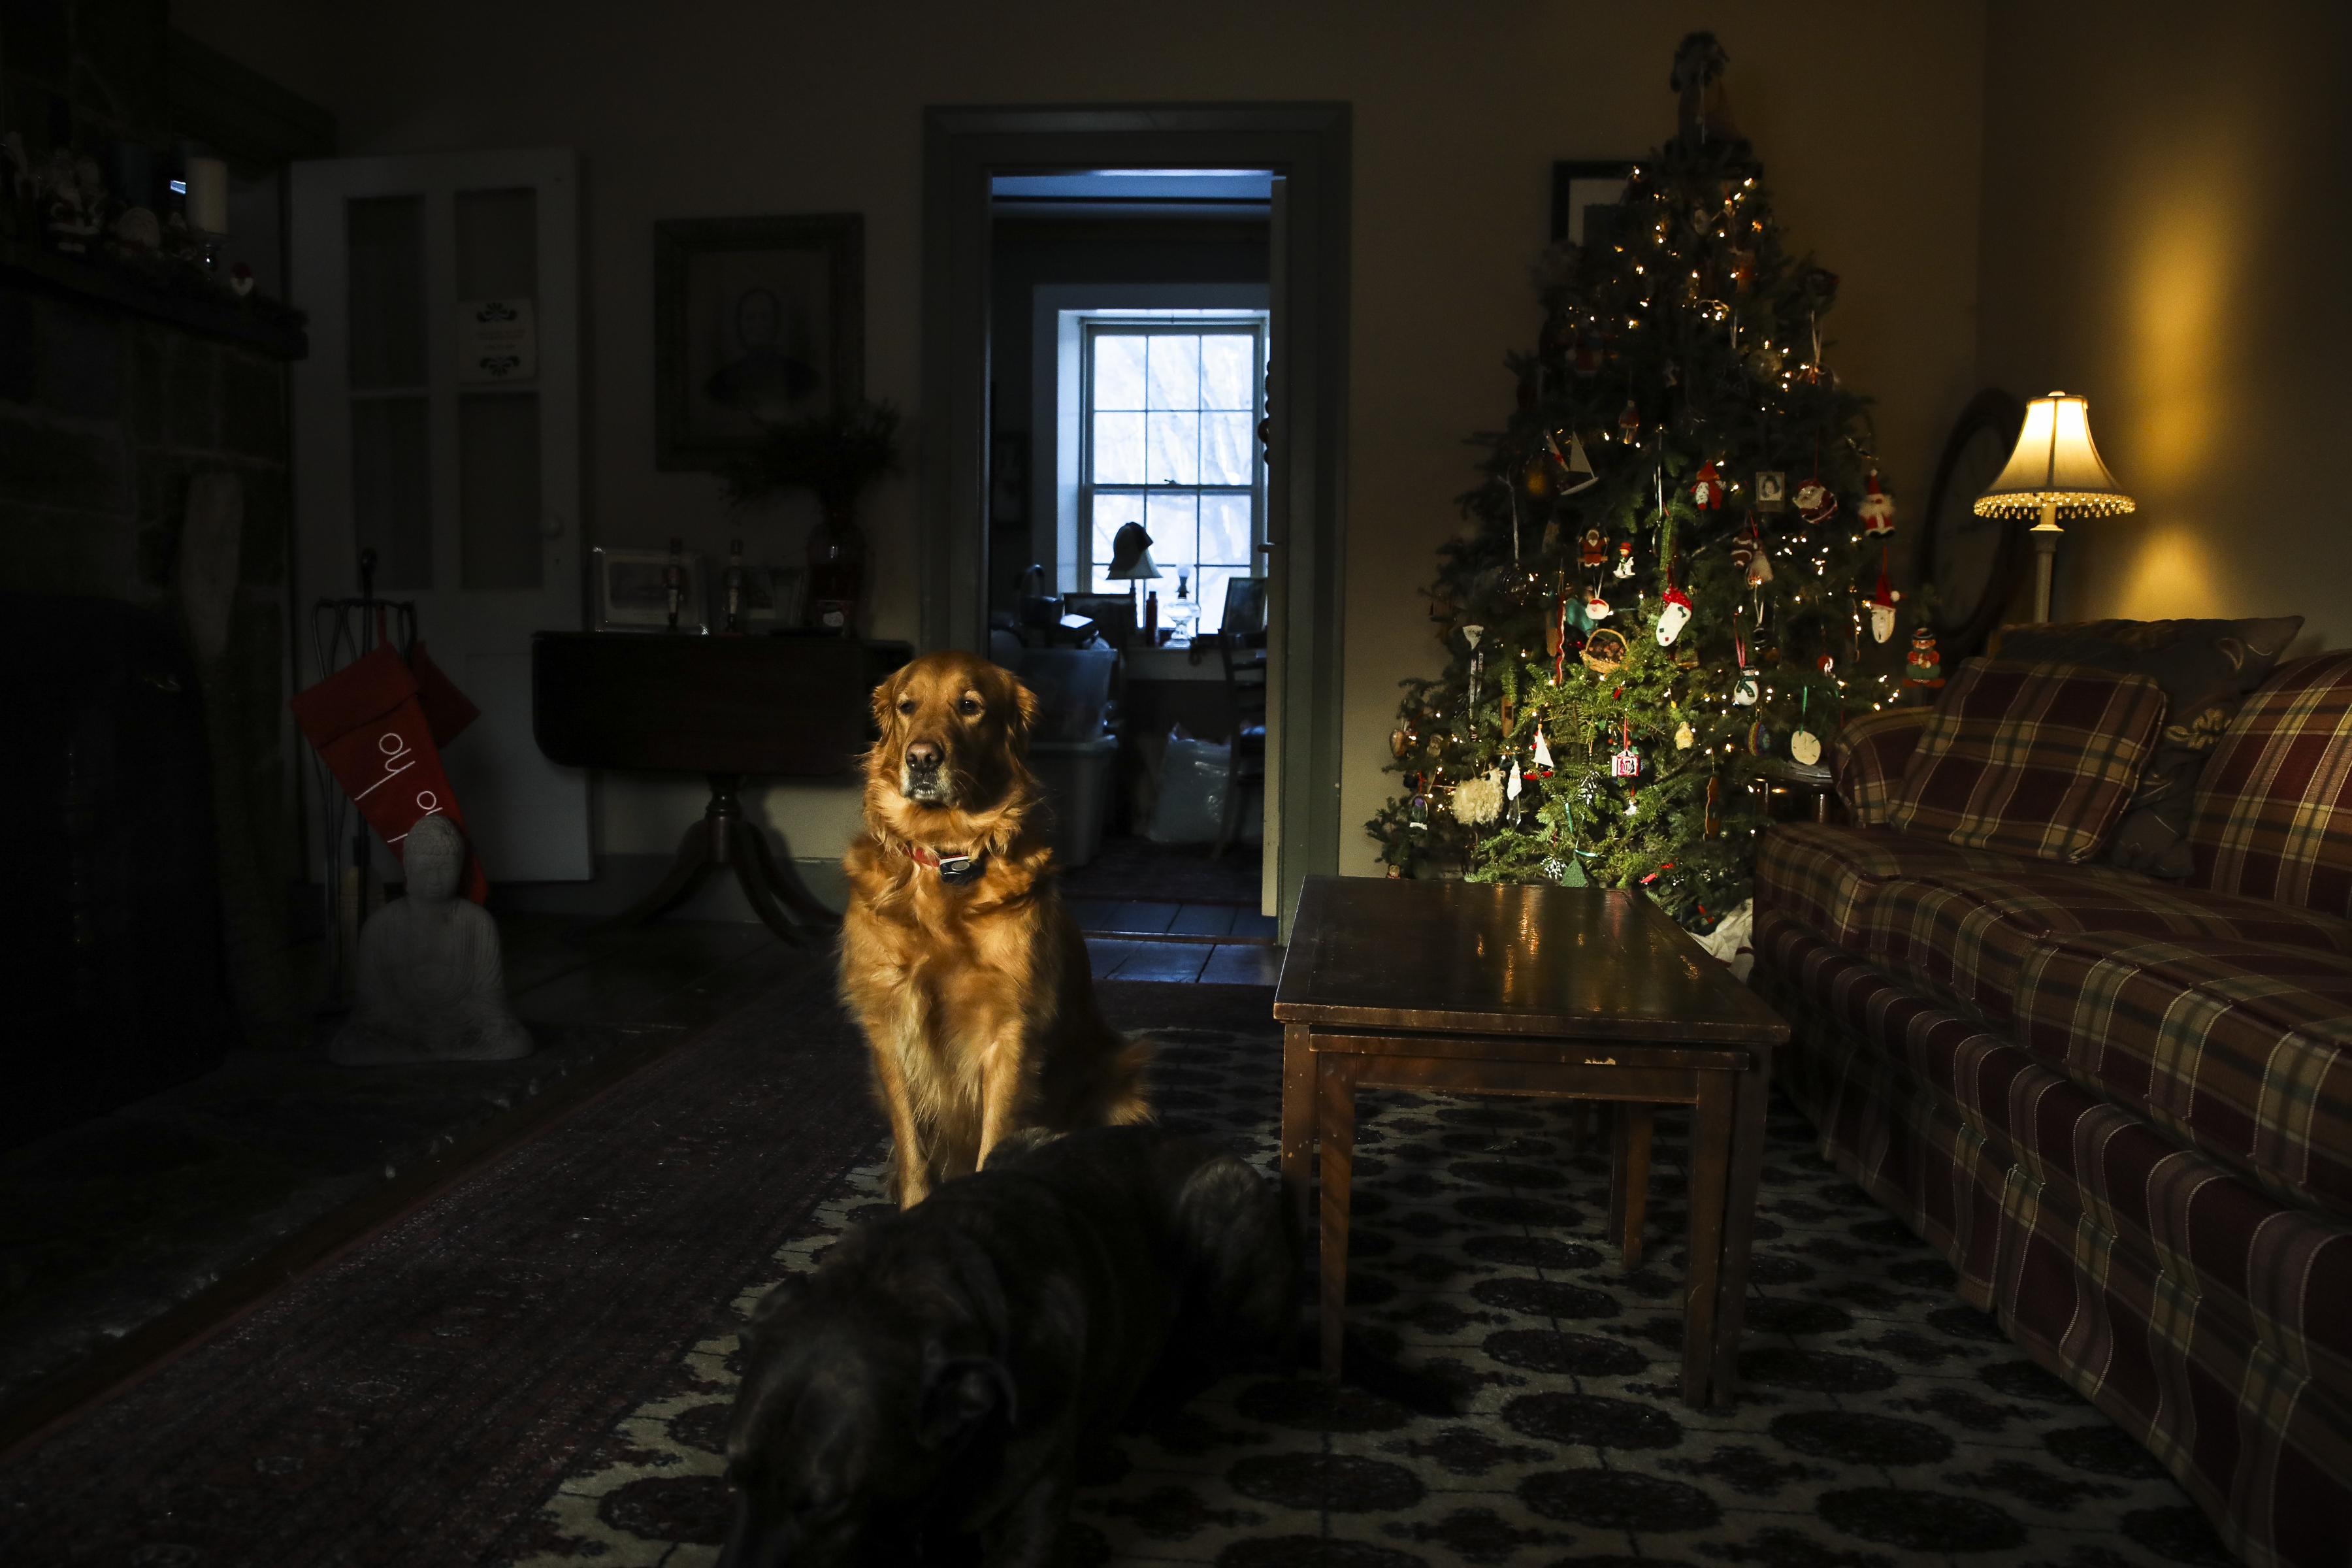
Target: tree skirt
x: 1884, y: 1423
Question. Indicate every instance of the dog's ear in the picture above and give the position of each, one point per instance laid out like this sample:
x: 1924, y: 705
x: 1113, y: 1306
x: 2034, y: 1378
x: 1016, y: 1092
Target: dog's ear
x: 960, y: 1394
x: 885, y: 701
x: 771, y: 1306
x: 1021, y: 711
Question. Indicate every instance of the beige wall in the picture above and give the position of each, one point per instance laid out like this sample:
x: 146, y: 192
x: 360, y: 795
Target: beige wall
x: 1868, y: 116
x: 2165, y: 232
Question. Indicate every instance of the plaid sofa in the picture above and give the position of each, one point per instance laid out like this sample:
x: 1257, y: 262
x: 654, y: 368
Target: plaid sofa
x: 2121, y: 1107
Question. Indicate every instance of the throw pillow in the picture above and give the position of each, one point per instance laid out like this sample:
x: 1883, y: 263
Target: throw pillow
x: 2029, y: 759
x: 2206, y: 667
x: 1872, y: 752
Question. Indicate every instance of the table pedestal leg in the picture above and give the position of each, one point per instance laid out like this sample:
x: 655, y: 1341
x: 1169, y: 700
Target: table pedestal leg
x: 1336, y: 1106
x: 724, y: 839
x: 1629, y: 1177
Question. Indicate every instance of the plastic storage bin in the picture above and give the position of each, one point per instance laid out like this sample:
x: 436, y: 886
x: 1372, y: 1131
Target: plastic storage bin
x: 1072, y: 684
x: 1076, y: 777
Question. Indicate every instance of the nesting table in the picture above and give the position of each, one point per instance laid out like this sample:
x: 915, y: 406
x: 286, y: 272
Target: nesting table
x: 1581, y: 993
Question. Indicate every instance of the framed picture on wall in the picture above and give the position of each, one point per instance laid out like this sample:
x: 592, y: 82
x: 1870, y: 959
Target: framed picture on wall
x: 756, y: 321
x: 632, y: 590
x: 1585, y: 193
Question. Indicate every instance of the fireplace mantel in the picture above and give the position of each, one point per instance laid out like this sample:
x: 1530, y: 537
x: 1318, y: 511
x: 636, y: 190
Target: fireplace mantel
x: 263, y: 325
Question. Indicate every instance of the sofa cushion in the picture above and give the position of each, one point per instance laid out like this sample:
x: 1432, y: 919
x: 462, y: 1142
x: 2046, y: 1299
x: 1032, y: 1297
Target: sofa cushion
x: 1872, y: 752
x: 2273, y: 812
x: 2033, y: 759
x: 1826, y: 876
x: 2206, y: 668
x: 1963, y: 935
x: 2241, y: 1049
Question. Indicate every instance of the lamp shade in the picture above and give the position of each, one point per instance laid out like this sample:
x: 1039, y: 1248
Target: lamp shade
x: 2054, y: 464
x: 1130, y: 554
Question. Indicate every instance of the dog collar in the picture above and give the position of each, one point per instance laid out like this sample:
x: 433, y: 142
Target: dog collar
x: 955, y: 870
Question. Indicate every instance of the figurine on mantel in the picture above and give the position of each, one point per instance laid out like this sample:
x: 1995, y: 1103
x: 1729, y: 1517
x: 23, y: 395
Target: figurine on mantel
x: 431, y: 986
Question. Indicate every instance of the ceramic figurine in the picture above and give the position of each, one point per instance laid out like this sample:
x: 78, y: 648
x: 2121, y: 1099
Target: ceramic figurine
x: 431, y: 985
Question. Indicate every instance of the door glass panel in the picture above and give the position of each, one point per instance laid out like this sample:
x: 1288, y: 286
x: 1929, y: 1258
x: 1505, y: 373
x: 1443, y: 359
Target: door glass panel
x: 386, y: 235
x: 497, y: 489
x: 391, y: 506
x: 497, y: 244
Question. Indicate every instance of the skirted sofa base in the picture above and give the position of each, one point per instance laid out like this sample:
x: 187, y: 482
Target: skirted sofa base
x: 2207, y: 1319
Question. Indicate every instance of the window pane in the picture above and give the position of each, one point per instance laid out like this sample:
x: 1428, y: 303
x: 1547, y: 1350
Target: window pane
x: 1225, y: 531
x: 390, y: 501
x: 1228, y: 445
x: 386, y: 236
x: 1213, y: 594
x: 1175, y: 454
x: 1119, y: 370
x: 1227, y: 362
x: 1175, y: 371
x: 497, y: 244
x: 1118, y: 450
x: 1171, y: 522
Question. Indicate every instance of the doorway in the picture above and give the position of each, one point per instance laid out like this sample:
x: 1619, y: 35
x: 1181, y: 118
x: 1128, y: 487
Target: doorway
x: 1303, y: 151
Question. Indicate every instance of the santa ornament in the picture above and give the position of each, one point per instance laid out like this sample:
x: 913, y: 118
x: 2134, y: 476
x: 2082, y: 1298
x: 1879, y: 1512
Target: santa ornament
x: 1816, y: 502
x: 1880, y: 603
x: 1596, y: 607
x: 1629, y: 423
x: 1593, y: 551
x: 1877, y: 506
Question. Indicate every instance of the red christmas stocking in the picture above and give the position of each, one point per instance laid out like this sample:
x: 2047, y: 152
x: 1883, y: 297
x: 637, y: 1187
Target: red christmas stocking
x: 448, y: 711
x: 370, y: 729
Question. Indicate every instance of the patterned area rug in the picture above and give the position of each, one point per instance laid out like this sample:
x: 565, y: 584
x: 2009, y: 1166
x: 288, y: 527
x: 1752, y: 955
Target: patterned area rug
x: 1883, y: 1423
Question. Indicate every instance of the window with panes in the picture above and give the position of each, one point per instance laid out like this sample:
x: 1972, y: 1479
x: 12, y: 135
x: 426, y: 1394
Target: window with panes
x: 1171, y: 443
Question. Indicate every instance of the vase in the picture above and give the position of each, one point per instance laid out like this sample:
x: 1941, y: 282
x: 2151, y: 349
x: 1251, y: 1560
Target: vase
x: 836, y: 554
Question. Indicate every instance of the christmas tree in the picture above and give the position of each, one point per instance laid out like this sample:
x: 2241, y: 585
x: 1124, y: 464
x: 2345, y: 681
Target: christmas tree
x: 1675, y: 568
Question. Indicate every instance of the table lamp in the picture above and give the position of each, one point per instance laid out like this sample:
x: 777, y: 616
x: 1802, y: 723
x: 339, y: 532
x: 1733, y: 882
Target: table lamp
x: 1130, y: 560
x: 2054, y: 472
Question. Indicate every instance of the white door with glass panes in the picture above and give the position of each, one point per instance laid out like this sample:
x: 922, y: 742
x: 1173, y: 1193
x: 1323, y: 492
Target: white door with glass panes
x: 436, y: 422
x: 1173, y: 400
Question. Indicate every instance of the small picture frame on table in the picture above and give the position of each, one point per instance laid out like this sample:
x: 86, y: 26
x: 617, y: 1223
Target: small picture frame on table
x: 632, y: 590
x: 1244, y: 606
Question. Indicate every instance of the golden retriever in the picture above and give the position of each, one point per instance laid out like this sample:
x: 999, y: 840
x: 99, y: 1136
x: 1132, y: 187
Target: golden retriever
x: 957, y: 958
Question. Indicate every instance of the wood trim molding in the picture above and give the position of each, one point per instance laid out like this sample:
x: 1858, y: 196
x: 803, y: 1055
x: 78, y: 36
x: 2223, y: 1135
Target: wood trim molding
x: 1310, y: 145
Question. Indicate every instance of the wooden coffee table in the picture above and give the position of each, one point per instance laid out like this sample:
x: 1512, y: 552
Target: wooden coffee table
x: 1580, y: 993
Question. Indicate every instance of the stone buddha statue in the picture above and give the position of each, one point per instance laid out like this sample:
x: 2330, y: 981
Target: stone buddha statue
x: 431, y: 986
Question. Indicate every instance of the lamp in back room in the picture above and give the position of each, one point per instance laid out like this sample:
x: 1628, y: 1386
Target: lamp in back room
x: 2053, y: 471
x: 1131, y: 562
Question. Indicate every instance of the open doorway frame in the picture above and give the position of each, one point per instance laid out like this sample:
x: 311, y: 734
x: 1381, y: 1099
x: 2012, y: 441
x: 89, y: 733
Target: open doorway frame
x: 1308, y: 145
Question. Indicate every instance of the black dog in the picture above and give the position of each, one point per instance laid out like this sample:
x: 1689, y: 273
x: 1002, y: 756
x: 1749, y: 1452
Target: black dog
x: 927, y: 1392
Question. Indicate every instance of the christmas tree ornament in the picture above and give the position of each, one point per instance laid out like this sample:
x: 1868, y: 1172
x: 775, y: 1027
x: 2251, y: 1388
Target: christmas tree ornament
x: 1625, y: 762
x: 1512, y: 785
x: 1743, y: 680
x: 1480, y: 800
x: 1594, y: 553
x: 1816, y: 502
x: 1629, y: 423
x: 1605, y: 654
x: 1828, y: 663
x: 1878, y: 509
x: 1597, y: 608
x: 1575, y: 468
x: 1763, y: 738
x: 1624, y: 559
x: 1543, y: 754
x: 1804, y: 746
x: 1685, y: 736
x: 1880, y: 603
x: 1743, y: 555
x: 1673, y: 616
x: 1771, y: 491
x: 1396, y: 743
x: 1759, y: 564
x: 1925, y: 666
x: 1707, y: 493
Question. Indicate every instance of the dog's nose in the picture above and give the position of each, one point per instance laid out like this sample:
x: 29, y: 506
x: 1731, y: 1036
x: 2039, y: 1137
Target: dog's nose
x: 923, y: 756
